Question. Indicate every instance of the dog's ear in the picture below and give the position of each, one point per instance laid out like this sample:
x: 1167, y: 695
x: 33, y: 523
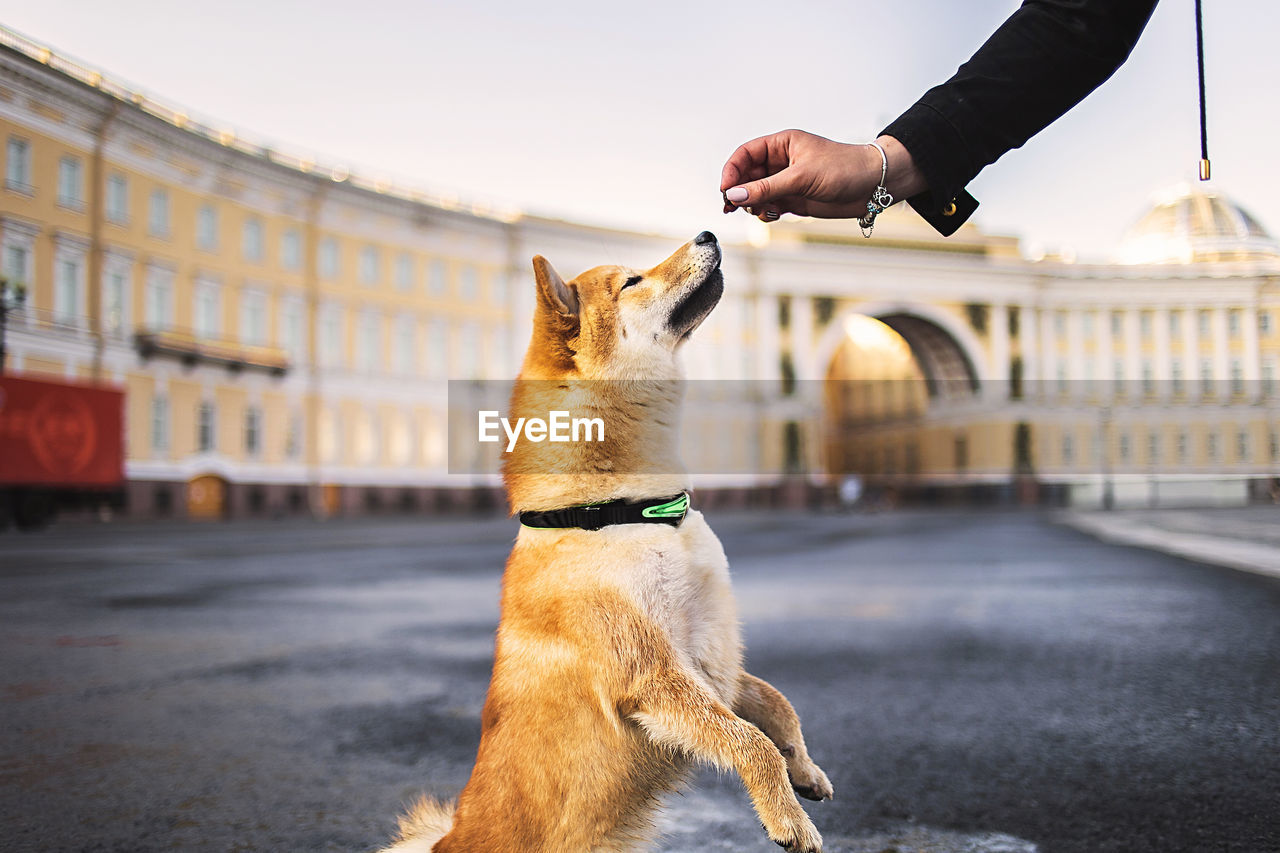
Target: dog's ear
x: 553, y: 293
x: 555, y: 318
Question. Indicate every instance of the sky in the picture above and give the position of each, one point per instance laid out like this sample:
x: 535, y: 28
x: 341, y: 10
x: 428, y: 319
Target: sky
x: 622, y: 114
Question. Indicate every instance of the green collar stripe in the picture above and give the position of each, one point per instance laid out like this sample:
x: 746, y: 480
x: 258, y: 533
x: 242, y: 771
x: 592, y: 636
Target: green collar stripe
x: 671, y: 509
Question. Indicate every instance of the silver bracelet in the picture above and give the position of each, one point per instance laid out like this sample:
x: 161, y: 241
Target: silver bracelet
x: 880, y: 199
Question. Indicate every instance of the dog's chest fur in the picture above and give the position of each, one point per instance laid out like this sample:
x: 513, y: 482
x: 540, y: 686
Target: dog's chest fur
x: 682, y: 583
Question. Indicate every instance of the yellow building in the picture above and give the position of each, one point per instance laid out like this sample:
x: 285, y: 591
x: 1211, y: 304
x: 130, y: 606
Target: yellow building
x: 284, y: 330
x: 276, y: 325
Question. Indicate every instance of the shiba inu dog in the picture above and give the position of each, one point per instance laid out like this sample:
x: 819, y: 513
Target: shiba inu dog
x: 618, y: 661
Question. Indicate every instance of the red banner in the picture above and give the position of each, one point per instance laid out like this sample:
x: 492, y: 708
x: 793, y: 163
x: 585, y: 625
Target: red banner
x: 59, y: 434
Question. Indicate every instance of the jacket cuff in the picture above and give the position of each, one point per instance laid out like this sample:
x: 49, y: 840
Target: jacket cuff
x: 941, y: 156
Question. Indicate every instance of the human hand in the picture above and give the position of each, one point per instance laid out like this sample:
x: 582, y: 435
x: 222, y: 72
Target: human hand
x: 797, y: 172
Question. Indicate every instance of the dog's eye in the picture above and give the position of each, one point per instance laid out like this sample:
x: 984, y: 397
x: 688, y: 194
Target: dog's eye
x: 634, y: 280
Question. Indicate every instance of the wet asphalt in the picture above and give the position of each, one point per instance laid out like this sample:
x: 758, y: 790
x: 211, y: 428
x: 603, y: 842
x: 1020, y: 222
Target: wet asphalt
x: 970, y: 682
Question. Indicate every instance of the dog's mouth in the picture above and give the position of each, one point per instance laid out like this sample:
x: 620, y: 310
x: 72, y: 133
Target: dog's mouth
x: 695, y: 307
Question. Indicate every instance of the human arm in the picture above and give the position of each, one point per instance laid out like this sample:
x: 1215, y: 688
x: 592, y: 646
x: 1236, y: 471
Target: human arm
x: 1042, y: 61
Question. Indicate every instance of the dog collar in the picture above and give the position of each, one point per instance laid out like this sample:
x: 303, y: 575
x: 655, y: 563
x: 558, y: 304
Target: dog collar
x: 595, y: 516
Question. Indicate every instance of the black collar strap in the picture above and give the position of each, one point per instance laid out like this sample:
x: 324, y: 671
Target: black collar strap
x: 595, y: 516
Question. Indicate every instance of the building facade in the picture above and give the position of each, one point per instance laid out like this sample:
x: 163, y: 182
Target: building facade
x: 285, y: 331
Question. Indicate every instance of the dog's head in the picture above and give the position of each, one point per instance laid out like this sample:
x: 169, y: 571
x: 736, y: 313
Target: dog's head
x: 620, y: 323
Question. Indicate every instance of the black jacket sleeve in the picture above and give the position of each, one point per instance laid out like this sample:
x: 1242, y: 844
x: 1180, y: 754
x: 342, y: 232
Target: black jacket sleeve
x: 1040, y: 63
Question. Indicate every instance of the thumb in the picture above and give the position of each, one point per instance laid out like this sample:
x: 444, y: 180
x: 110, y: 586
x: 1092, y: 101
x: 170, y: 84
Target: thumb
x: 787, y: 182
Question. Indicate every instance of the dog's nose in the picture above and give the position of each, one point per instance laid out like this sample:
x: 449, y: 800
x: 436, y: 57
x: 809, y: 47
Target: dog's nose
x: 704, y: 238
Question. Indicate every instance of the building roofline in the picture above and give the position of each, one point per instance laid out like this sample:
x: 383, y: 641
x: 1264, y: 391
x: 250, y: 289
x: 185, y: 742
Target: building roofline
x: 142, y: 104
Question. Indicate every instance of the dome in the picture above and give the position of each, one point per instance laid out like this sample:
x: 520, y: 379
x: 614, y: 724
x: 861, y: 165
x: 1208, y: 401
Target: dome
x: 1196, y: 226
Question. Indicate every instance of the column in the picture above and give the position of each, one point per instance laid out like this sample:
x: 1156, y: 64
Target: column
x: 764, y: 312
x: 1075, y: 352
x: 1251, y: 354
x: 803, y: 339
x: 1132, y: 351
x: 1106, y: 353
x: 1221, y: 349
x: 998, y: 326
x: 1163, y: 357
x: 1191, y: 349
x: 1028, y: 318
x: 1048, y: 354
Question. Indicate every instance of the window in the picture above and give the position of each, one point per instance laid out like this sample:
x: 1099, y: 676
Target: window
x: 66, y: 294
x: 404, y: 346
x: 498, y: 287
x: 159, y: 300
x: 293, y: 436
x: 1117, y: 324
x: 369, y: 438
x: 207, y: 228
x: 1206, y: 322
x: 158, y: 213
x: 205, y: 437
x: 253, y: 318
x: 1153, y: 448
x: 1242, y: 445
x: 1275, y: 446
x: 1233, y: 322
x: 252, y: 431
x: 1182, y: 446
x: 1264, y: 322
x: 1176, y: 374
x: 115, y: 296
x: 369, y: 342
x: 469, y: 352
x: 208, y: 309
x: 17, y: 264
x: 1124, y: 447
x: 1148, y: 377
x: 1237, y: 376
x: 1062, y: 377
x: 291, y: 250
x: 438, y: 278
x: 404, y: 272
x: 369, y: 265
x: 1211, y: 446
x: 437, y: 349
x: 1117, y: 371
x: 70, y: 183
x: 117, y: 198
x: 290, y: 334
x: 1088, y: 325
x: 17, y: 174
x: 251, y: 240
x: 1060, y: 323
x: 1206, y: 376
x: 962, y: 452
x: 1068, y: 449
x: 1268, y: 376
x: 328, y: 259
x: 1175, y: 324
x: 468, y: 284
x: 331, y: 343
x: 159, y: 422
x: 1144, y: 324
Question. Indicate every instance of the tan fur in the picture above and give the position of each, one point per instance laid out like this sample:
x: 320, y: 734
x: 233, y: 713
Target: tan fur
x: 618, y: 661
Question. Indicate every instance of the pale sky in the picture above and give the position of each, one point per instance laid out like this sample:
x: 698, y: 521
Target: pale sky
x: 622, y: 114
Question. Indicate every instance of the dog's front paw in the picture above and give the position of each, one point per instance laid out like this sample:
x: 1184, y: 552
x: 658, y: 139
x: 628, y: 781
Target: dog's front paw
x: 796, y: 834
x: 808, y: 780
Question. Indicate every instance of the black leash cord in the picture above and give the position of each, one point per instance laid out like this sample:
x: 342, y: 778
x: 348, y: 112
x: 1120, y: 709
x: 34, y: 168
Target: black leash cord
x: 1204, y: 125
